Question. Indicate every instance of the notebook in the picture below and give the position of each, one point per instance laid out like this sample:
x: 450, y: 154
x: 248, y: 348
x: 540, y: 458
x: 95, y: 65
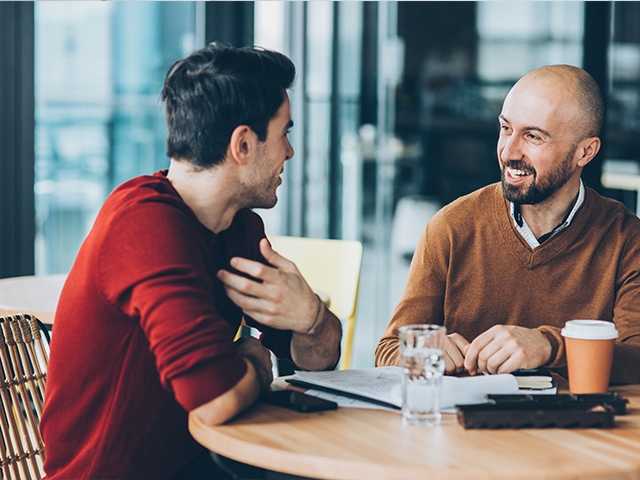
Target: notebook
x: 381, y: 387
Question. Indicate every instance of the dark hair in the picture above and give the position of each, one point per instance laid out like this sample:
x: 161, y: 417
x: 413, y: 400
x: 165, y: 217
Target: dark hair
x: 214, y: 90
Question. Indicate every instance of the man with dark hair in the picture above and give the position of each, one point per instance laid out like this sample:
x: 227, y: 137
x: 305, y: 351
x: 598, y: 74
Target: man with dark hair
x: 504, y: 267
x: 145, y: 324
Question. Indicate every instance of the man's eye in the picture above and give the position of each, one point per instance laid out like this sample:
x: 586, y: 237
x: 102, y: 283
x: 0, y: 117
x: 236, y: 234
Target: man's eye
x: 533, y: 137
x: 504, y: 128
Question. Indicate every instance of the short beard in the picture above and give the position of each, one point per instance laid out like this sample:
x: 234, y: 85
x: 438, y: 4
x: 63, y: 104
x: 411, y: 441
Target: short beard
x: 539, y: 191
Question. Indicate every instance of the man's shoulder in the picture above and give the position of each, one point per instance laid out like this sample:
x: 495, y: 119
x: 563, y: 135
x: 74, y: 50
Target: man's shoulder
x: 612, y: 214
x: 143, y: 204
x: 468, y: 210
x: 151, y: 197
x: 245, y: 233
x: 144, y: 189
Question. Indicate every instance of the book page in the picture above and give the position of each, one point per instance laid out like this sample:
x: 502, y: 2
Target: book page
x: 384, y: 384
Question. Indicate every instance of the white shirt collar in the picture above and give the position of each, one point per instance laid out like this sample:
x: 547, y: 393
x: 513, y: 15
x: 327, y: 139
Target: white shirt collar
x: 526, y: 233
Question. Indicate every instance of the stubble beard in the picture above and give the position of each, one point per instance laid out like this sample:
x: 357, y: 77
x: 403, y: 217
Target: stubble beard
x: 537, y: 191
x: 261, y: 196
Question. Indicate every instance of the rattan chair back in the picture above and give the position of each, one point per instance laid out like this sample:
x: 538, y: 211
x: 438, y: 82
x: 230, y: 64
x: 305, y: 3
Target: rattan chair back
x: 23, y: 369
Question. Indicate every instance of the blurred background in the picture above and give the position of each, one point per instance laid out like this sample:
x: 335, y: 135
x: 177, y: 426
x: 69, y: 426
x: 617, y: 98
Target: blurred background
x: 395, y: 108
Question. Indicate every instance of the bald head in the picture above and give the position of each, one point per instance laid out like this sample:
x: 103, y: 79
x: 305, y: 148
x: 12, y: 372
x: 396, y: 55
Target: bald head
x: 577, y: 90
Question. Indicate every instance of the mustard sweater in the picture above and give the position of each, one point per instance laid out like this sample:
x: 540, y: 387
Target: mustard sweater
x: 472, y: 270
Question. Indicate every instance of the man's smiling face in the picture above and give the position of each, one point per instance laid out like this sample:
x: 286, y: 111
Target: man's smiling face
x: 537, y: 142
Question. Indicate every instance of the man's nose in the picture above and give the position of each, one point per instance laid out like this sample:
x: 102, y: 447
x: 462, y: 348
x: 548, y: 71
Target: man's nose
x: 290, y: 151
x: 511, y: 149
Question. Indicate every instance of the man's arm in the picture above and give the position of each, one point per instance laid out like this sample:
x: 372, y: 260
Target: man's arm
x: 423, y: 298
x: 316, y: 350
x: 278, y: 296
x: 626, y: 310
x: 160, y: 278
x: 233, y: 401
x: 256, y: 381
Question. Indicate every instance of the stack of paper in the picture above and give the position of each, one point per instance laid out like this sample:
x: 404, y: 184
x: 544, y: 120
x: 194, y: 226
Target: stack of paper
x: 535, y: 382
x: 382, y: 386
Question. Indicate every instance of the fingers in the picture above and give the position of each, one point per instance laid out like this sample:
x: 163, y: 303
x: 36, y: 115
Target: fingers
x: 449, y: 364
x: 255, y: 269
x: 471, y: 357
x: 496, y: 360
x: 244, y: 285
x: 486, y: 353
x: 251, y: 305
x: 514, y: 363
x: 273, y: 257
x: 460, y: 342
x: 454, y: 360
x: 505, y: 348
x: 262, y: 311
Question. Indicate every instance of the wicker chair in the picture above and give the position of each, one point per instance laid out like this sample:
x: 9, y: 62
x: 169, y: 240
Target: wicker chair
x: 23, y: 365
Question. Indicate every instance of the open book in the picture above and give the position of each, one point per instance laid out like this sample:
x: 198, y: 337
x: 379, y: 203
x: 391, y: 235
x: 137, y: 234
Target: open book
x: 382, y: 386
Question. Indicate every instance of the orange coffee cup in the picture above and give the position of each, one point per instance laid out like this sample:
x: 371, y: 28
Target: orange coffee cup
x: 589, y: 346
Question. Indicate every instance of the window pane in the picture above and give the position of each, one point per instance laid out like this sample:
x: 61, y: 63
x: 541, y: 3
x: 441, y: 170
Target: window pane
x: 99, y: 121
x: 623, y: 109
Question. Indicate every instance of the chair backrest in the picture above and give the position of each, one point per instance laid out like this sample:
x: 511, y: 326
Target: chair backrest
x: 332, y: 268
x: 23, y: 366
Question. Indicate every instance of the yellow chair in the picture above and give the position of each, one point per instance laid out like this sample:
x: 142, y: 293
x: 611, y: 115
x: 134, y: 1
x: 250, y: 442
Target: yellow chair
x: 332, y: 269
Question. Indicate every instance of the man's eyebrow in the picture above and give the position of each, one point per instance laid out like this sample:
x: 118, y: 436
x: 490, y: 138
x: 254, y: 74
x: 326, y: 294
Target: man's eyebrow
x: 529, y: 128
x: 538, y: 129
x: 288, y: 125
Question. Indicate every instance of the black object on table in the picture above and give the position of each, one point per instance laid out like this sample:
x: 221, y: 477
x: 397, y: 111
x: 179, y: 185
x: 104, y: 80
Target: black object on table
x: 544, y: 411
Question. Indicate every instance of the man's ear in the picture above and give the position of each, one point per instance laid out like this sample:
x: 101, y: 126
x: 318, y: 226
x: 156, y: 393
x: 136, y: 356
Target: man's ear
x: 242, y: 145
x: 587, y: 150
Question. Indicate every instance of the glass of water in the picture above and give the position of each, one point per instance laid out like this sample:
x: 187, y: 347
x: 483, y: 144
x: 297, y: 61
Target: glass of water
x: 422, y: 361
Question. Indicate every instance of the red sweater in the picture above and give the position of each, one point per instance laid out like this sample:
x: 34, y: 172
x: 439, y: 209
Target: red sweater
x: 143, y: 334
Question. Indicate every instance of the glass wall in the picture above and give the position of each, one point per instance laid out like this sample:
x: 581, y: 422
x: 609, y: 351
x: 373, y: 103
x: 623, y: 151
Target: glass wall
x: 395, y: 108
x: 99, y: 71
x: 398, y: 104
x: 269, y: 32
x: 623, y: 108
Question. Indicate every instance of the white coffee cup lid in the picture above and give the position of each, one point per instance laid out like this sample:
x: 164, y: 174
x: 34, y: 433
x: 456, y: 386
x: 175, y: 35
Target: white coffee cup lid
x: 590, y: 330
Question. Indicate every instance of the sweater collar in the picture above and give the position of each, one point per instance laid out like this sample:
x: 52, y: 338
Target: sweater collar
x: 526, y: 233
x: 513, y: 243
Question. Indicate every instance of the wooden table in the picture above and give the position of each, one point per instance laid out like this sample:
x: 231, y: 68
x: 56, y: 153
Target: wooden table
x: 355, y: 443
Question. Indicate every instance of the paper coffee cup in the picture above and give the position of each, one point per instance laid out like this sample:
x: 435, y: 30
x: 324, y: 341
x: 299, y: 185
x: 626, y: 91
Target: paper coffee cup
x: 589, y: 346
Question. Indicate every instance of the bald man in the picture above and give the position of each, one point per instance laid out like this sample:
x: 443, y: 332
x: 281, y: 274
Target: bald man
x: 504, y: 267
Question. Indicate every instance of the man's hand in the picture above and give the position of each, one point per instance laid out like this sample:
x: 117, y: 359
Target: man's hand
x: 260, y: 358
x: 505, y: 348
x: 282, y: 298
x: 455, y: 348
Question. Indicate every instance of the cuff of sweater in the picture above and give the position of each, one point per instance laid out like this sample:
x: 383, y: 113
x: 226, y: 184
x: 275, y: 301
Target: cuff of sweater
x: 558, y: 356
x: 206, y: 381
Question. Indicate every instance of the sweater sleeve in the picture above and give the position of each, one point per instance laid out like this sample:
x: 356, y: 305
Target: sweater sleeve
x: 151, y: 267
x: 626, y: 314
x: 423, y: 297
